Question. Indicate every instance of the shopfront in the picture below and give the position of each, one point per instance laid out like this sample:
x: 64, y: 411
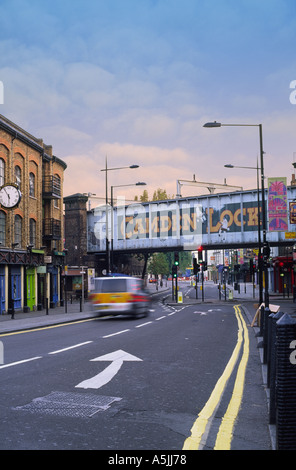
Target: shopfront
x: 31, y: 288
x: 284, y: 276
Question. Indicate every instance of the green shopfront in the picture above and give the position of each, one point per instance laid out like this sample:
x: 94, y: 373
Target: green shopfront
x: 19, y: 287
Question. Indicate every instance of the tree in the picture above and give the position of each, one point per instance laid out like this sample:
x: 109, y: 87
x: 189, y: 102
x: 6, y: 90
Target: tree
x: 158, y: 264
x: 158, y: 195
x: 143, y: 197
x: 185, y: 260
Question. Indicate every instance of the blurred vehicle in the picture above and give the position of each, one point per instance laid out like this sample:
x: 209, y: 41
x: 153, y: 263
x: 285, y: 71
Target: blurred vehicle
x: 120, y: 296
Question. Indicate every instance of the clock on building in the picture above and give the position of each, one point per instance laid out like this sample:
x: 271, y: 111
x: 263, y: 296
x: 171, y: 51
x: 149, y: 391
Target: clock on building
x: 10, y: 195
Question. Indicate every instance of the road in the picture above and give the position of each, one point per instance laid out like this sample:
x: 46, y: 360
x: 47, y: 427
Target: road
x: 132, y: 384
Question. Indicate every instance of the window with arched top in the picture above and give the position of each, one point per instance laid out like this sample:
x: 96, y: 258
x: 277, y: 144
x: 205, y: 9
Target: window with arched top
x: 18, y: 229
x: 18, y: 176
x: 2, y: 228
x: 2, y: 171
x: 32, y: 232
x: 32, y: 184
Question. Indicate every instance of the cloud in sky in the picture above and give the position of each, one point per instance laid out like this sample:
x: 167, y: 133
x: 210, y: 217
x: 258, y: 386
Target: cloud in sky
x: 136, y: 80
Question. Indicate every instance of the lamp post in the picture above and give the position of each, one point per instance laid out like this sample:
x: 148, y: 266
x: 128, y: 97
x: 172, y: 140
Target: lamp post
x: 106, y: 169
x: 140, y: 183
x: 265, y: 245
x: 259, y: 230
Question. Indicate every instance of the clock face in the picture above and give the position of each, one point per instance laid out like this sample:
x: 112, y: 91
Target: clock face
x: 9, y: 196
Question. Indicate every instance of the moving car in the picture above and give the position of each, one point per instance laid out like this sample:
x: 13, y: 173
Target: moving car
x: 122, y: 295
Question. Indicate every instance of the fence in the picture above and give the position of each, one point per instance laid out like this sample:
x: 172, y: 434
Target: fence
x: 279, y: 354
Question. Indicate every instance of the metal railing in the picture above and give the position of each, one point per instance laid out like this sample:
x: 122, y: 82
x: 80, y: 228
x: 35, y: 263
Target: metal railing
x: 51, y: 187
x: 52, y: 229
x: 279, y: 355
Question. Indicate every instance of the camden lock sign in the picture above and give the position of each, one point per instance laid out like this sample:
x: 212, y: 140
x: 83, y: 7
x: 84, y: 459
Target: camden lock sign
x: 228, y: 219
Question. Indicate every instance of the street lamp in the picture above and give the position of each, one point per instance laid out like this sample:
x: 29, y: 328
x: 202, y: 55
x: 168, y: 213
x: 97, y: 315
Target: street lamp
x: 106, y: 169
x: 140, y: 183
x: 218, y: 124
x: 259, y: 231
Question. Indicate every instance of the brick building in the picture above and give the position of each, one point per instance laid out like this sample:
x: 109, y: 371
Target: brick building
x: 76, y: 225
x: 31, y: 234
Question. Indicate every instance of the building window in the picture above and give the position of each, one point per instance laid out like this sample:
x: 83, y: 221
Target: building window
x: 57, y: 187
x: 32, y: 184
x: 18, y: 230
x: 32, y: 232
x: 2, y: 171
x: 18, y: 176
x: 2, y: 227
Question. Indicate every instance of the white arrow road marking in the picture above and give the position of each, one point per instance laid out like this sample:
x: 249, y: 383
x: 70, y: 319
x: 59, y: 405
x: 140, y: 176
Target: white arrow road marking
x: 117, y: 358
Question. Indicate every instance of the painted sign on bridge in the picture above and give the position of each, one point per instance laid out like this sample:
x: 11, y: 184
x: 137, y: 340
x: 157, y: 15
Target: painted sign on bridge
x: 213, y: 221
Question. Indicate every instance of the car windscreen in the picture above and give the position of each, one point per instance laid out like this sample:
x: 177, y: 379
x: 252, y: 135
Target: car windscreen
x: 112, y: 285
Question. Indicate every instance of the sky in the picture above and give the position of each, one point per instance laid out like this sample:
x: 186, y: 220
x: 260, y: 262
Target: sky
x: 134, y: 81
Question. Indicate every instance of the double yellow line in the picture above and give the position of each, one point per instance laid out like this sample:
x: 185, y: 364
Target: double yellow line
x: 202, y: 423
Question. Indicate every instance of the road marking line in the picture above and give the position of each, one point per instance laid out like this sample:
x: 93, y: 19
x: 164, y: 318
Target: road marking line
x: 160, y: 318
x: 70, y: 347
x: 114, y: 334
x: 32, y: 330
x: 224, y: 437
x: 143, y: 324
x: 199, y: 427
x: 20, y: 362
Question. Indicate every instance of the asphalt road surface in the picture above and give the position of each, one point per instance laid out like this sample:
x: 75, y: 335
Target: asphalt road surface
x: 134, y: 384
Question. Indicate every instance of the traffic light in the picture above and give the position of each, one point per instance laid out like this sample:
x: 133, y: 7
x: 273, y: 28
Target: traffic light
x: 252, y: 266
x: 199, y: 250
x: 196, y: 266
x: 266, y: 251
x: 204, y: 265
x: 174, y: 271
x: 176, y: 259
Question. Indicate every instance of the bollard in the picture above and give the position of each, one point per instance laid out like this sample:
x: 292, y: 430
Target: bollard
x: 285, y: 385
x: 46, y: 305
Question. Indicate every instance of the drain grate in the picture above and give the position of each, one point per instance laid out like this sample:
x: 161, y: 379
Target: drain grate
x: 73, y: 405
